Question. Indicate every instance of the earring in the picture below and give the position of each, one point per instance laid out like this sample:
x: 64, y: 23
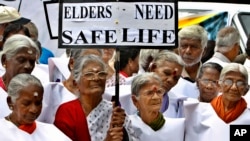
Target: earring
x: 11, y: 108
x: 4, y: 65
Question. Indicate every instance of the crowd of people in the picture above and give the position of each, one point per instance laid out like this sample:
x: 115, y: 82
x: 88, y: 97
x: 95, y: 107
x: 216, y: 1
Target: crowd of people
x: 183, y: 94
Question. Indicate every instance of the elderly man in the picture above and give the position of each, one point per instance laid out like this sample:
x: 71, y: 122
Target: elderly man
x: 192, y: 43
x: 227, y: 46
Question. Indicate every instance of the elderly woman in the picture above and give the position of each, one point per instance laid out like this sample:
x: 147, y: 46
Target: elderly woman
x: 19, y: 55
x: 147, y: 91
x: 90, y: 117
x: 56, y: 93
x: 168, y: 66
x: 211, y: 121
x: 25, y: 101
x: 207, y: 81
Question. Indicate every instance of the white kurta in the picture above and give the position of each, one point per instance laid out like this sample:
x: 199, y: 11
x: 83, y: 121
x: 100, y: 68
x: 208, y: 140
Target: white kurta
x: 203, y: 124
x: 219, y: 58
x: 175, y: 108
x: 173, y: 129
x: 41, y: 71
x: 4, y: 108
x: 54, y: 95
x: 43, y: 132
x: 186, y: 88
x: 58, y: 69
x: 124, y: 97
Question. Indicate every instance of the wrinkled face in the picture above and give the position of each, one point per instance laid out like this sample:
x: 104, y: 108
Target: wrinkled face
x: 208, y: 84
x: 28, y: 105
x: 169, y: 72
x: 92, y: 81
x: 190, y: 51
x: 23, y: 62
x: 107, y: 54
x: 233, y: 86
x: 150, y: 98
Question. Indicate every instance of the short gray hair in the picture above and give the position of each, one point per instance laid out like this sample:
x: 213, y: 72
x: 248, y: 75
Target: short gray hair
x: 16, y: 42
x: 234, y: 67
x: 82, y: 62
x: 167, y: 56
x: 226, y: 38
x: 194, y: 32
x: 141, y: 80
x: 20, y: 81
x: 211, y: 65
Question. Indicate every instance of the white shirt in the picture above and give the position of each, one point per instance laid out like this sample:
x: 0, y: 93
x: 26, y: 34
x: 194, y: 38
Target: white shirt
x: 175, y: 107
x: 58, y: 69
x: 185, y: 88
x: 54, y: 95
x: 203, y: 124
x: 43, y: 132
x: 4, y: 108
x: 172, y: 130
x: 124, y: 97
x: 219, y: 58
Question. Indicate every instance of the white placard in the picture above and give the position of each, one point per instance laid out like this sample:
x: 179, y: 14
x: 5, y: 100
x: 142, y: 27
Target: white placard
x: 118, y: 24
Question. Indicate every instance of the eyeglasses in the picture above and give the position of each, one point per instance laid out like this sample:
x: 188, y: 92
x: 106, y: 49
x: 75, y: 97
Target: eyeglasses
x: 92, y: 75
x: 207, y: 81
x: 230, y: 82
x: 151, y: 93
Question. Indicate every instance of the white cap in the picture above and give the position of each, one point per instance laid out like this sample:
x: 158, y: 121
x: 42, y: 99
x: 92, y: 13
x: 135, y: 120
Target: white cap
x: 11, y: 15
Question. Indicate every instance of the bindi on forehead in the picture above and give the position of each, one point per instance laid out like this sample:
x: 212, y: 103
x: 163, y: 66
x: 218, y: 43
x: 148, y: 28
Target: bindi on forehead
x: 154, y: 88
x: 175, y: 71
x: 30, y: 51
x: 35, y: 94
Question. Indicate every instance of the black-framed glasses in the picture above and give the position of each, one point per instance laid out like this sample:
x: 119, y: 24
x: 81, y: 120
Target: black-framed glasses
x: 150, y: 93
x: 207, y: 81
x: 230, y: 82
x: 92, y: 75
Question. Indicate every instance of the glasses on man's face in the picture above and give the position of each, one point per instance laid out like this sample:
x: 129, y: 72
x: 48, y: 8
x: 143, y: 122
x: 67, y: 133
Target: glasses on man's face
x: 230, y: 82
x: 207, y: 81
x: 150, y: 93
x: 92, y: 75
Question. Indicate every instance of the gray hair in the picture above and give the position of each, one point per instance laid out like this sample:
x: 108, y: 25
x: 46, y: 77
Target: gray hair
x: 226, y: 38
x: 83, y: 62
x: 20, y: 81
x: 16, y: 42
x: 194, y: 32
x: 167, y: 56
x: 141, y: 80
x: 234, y: 67
x: 147, y: 55
x: 212, y: 65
